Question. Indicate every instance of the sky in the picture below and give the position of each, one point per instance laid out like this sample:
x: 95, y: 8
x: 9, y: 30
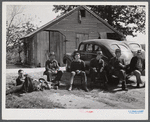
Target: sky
x: 42, y: 14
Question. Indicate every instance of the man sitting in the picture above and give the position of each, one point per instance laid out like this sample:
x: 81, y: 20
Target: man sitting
x: 78, y: 68
x: 25, y: 84
x: 52, y: 68
x: 21, y: 77
x: 137, y: 67
x: 118, y: 66
x: 97, y: 69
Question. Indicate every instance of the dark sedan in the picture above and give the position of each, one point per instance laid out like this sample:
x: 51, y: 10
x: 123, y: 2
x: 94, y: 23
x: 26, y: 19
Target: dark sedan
x: 88, y: 49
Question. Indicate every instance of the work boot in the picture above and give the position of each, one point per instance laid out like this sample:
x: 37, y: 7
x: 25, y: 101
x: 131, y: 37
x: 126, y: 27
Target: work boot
x: 138, y: 85
x: 85, y: 88
x: 124, y: 86
x: 70, y: 88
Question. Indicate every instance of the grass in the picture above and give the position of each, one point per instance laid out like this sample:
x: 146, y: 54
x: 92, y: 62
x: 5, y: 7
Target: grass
x: 42, y: 99
x: 38, y: 99
x: 30, y: 100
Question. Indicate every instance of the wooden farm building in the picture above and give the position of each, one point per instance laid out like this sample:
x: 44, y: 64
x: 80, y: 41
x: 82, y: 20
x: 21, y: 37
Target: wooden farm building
x: 63, y: 35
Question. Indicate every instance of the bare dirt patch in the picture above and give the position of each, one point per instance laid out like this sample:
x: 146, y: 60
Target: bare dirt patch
x: 97, y: 98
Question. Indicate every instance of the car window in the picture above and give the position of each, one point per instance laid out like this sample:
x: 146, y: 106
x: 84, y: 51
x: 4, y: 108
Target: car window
x: 89, y: 47
x: 123, y: 47
x: 114, y: 46
x: 97, y: 48
x: 134, y: 45
x: 81, y: 48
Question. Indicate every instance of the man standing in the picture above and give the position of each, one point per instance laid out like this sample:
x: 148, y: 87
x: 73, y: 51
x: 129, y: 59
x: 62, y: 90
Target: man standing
x: 52, y: 68
x: 78, y: 68
x: 137, y: 67
x: 118, y: 66
x: 97, y: 69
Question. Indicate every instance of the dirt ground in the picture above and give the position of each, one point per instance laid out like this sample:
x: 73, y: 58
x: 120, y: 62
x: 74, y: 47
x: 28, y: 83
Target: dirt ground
x: 97, y: 98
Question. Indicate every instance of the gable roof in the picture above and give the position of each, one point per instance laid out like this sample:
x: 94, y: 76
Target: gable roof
x: 67, y: 14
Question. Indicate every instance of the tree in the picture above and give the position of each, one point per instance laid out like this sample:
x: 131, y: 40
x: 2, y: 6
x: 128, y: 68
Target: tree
x: 126, y: 19
x: 18, y: 25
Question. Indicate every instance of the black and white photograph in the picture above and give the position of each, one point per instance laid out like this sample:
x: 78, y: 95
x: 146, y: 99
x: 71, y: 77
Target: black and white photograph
x: 75, y: 60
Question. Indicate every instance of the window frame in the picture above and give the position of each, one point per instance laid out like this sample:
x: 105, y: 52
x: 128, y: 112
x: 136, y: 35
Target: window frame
x: 80, y: 47
x: 83, y: 13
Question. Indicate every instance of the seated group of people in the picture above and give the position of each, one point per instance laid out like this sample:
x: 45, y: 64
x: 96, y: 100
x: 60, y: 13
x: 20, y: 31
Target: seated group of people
x: 117, y: 67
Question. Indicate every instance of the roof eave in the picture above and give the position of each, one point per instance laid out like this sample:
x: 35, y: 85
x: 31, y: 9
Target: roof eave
x: 63, y: 16
x: 50, y: 23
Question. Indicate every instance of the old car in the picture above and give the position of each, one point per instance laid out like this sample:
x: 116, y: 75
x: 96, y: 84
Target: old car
x: 134, y: 46
x: 88, y: 49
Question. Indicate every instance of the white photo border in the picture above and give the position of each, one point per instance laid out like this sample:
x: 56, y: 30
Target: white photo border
x: 69, y: 114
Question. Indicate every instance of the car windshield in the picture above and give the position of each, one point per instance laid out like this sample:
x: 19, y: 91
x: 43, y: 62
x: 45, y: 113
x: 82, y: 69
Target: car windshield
x: 97, y: 48
x: 119, y: 46
x: 114, y: 46
x: 123, y: 47
x: 134, y: 45
x: 89, y: 47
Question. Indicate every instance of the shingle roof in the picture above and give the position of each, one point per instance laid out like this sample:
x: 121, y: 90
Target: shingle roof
x: 67, y: 14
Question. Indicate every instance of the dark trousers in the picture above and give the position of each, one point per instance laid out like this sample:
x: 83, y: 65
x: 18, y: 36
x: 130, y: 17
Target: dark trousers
x: 121, y: 74
x: 27, y: 86
x: 100, y: 75
x: 83, y: 75
x: 50, y: 74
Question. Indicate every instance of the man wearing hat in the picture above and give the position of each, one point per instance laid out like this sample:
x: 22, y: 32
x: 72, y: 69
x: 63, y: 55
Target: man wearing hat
x: 97, y: 68
x: 118, y: 66
x: 137, y: 67
x: 52, y: 68
x: 78, y: 68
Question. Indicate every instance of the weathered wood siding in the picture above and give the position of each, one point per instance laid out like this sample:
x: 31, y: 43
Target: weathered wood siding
x: 30, y: 51
x: 42, y: 48
x: 57, y: 45
x: 55, y: 41
x: 70, y: 27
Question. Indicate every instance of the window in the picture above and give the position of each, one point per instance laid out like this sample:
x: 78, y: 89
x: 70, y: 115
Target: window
x: 89, y: 47
x: 80, y: 37
x: 81, y: 48
x: 97, y: 48
x: 82, y: 13
x: 114, y: 47
x: 134, y: 46
x: 123, y: 48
